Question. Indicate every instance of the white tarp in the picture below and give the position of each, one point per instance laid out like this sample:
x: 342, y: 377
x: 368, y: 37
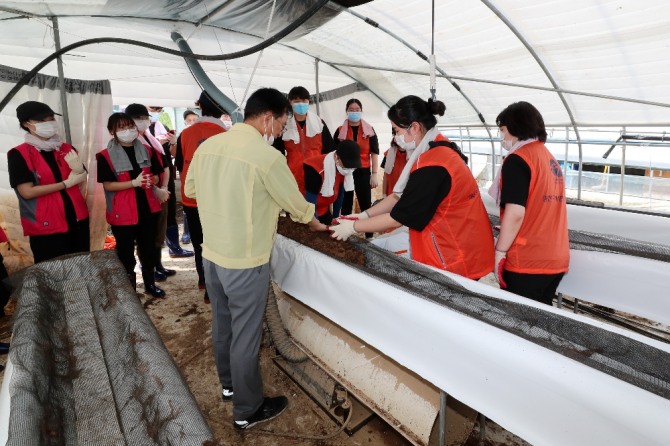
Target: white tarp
x: 542, y: 396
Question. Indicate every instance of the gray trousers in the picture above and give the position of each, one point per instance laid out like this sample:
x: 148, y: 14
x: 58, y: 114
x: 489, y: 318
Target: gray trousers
x: 238, y: 299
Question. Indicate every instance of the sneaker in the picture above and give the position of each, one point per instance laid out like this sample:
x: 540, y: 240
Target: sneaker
x: 270, y: 409
x: 227, y: 394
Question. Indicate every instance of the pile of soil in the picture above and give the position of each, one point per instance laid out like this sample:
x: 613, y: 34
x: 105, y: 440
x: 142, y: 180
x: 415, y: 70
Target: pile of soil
x: 320, y: 241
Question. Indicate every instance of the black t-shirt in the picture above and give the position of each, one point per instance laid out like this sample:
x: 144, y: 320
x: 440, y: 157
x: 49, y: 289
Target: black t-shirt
x: 374, y: 141
x: 326, y: 140
x: 20, y: 174
x: 106, y: 173
x: 426, y: 188
x: 313, y: 180
x: 515, y: 181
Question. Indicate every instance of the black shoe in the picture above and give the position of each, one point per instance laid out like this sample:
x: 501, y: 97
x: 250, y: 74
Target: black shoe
x: 154, y: 291
x: 226, y: 394
x: 186, y: 238
x: 4, y: 349
x: 270, y: 409
x: 159, y: 276
x: 206, y: 298
x: 167, y: 272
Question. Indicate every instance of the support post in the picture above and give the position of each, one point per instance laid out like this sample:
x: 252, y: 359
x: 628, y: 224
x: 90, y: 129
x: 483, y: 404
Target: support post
x: 482, y: 429
x: 316, y: 75
x: 623, y: 168
x: 443, y: 418
x: 61, y: 83
x: 559, y: 300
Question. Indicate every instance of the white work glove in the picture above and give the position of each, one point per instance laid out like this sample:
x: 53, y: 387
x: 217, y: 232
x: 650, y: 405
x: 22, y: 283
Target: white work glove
x: 374, y: 180
x: 499, y: 265
x: 72, y: 160
x: 143, y: 180
x: 162, y: 194
x: 344, y: 230
x: 362, y: 216
x: 74, y: 178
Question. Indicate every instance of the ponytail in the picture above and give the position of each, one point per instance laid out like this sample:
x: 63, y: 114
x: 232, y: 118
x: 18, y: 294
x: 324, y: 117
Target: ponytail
x: 414, y: 109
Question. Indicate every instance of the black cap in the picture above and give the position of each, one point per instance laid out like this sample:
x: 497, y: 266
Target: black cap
x: 134, y: 110
x: 350, y: 153
x: 34, y: 110
x: 188, y: 113
x: 208, y: 103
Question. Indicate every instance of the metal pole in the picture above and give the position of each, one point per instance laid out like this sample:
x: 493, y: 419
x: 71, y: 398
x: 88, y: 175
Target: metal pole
x: 623, y: 168
x: 469, y: 147
x: 565, y: 160
x: 443, y: 418
x: 559, y: 300
x: 61, y: 83
x: 482, y: 429
x: 316, y: 75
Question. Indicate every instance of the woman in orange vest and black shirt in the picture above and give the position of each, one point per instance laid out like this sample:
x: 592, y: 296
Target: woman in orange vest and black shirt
x: 355, y: 128
x: 128, y: 171
x: 45, y: 173
x: 533, y: 249
x: 440, y: 203
x: 326, y: 175
x: 394, y: 162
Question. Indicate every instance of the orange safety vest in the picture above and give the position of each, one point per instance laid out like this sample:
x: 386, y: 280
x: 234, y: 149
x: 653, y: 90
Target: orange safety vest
x: 363, y: 143
x: 121, y: 209
x: 542, y: 245
x: 296, y: 154
x: 45, y: 215
x: 458, y: 238
x: 323, y: 203
x: 191, y: 138
x: 398, y: 166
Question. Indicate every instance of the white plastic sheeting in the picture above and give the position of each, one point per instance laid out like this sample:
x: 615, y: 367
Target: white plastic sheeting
x: 590, y: 46
x: 544, y: 397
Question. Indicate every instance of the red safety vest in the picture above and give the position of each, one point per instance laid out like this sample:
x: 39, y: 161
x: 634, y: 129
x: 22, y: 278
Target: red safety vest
x: 323, y: 203
x: 458, y: 238
x: 296, y: 154
x: 191, y: 138
x: 46, y: 214
x: 121, y: 209
x: 398, y: 166
x: 363, y: 143
x: 542, y: 245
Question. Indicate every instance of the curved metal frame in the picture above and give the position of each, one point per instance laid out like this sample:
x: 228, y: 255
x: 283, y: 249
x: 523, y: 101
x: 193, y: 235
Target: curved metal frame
x: 551, y: 79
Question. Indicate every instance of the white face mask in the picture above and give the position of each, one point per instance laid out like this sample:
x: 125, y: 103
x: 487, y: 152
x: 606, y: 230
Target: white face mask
x: 126, y: 136
x: 344, y: 171
x: 46, y: 129
x: 227, y: 123
x: 142, y: 124
x: 507, y: 144
x: 400, y: 140
x: 271, y: 138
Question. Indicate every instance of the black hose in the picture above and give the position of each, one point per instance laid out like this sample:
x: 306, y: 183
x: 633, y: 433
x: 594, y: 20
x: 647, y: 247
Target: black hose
x: 236, y: 55
x: 285, y: 346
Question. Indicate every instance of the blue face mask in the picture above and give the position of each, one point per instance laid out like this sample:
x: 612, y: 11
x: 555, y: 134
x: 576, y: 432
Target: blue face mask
x: 154, y: 116
x: 354, y: 116
x: 300, y: 108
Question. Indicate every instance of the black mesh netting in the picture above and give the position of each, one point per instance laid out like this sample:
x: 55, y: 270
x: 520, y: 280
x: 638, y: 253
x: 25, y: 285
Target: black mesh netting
x: 589, y: 241
x: 89, y: 366
x: 624, y: 358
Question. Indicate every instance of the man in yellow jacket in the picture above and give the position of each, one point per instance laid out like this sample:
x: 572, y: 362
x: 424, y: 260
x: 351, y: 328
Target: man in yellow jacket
x: 241, y: 183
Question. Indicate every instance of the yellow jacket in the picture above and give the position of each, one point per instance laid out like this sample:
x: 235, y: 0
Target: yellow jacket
x: 241, y: 183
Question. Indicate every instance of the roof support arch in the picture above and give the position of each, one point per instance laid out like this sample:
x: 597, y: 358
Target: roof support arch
x: 551, y: 79
x: 442, y: 72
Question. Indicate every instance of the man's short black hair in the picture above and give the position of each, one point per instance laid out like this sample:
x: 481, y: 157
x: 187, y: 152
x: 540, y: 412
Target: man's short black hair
x: 266, y: 100
x: 299, y: 92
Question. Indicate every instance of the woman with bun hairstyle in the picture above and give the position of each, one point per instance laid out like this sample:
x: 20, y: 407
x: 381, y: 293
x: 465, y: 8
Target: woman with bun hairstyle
x: 46, y: 173
x: 128, y: 171
x: 436, y: 197
x: 356, y: 129
x: 533, y: 248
